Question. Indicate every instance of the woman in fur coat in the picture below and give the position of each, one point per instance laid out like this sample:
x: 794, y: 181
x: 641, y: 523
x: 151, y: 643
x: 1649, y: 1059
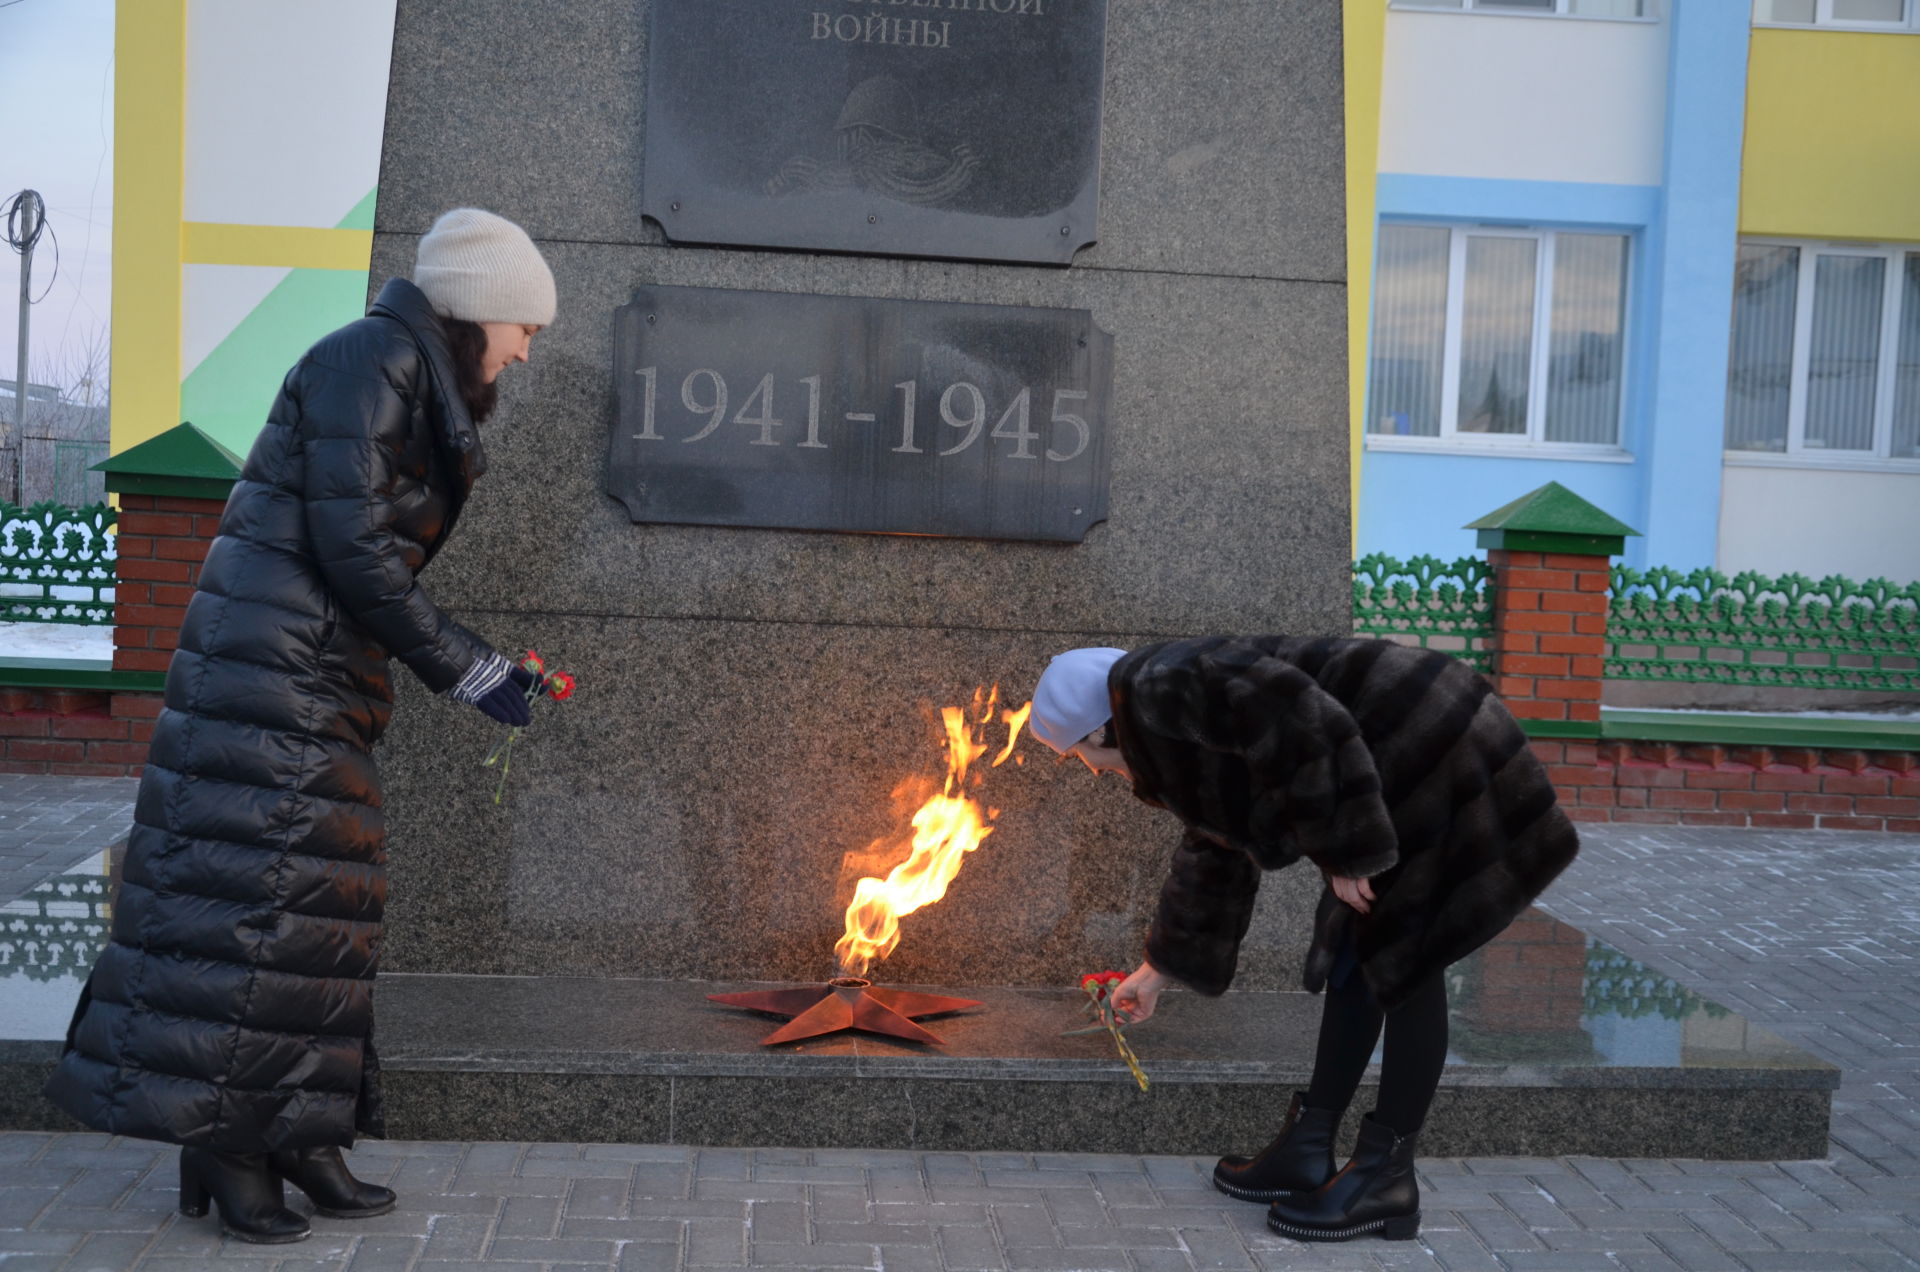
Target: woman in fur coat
x: 232, y: 1010
x: 1396, y: 772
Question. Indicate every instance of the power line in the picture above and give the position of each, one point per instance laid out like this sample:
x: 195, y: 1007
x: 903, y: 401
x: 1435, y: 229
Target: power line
x: 27, y: 221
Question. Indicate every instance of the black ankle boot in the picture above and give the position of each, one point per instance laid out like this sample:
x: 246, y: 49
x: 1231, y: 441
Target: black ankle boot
x: 1300, y: 1159
x: 322, y: 1174
x: 250, y: 1198
x: 1375, y: 1194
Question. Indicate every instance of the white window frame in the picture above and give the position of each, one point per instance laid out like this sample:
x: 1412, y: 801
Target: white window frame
x: 1823, y: 20
x: 1798, y: 454
x: 1533, y: 442
x: 1560, y: 10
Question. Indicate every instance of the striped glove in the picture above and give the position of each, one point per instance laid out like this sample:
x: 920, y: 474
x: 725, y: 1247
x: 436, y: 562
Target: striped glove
x: 492, y: 686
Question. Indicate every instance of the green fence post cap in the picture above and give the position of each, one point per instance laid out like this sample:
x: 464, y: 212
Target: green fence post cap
x: 183, y: 462
x: 1553, y: 519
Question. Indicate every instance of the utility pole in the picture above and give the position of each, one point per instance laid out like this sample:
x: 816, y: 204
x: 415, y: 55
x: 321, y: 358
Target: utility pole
x: 29, y: 215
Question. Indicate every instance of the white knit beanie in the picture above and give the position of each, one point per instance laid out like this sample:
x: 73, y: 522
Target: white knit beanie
x: 1071, y: 699
x: 483, y: 268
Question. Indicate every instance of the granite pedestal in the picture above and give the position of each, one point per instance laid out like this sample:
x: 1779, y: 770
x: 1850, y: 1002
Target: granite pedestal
x: 1560, y: 1046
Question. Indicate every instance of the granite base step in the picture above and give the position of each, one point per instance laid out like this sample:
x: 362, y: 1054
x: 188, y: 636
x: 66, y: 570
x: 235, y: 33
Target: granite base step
x: 655, y: 1062
x: 1559, y: 1045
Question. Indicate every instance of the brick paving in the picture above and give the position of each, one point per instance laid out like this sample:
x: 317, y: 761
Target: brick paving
x: 47, y: 824
x: 1816, y: 935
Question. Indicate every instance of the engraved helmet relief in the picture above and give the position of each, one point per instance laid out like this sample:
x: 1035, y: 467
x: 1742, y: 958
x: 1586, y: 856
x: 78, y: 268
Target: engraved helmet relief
x: 882, y: 149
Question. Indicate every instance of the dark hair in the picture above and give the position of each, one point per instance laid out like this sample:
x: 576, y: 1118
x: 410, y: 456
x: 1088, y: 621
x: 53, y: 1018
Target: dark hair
x: 1108, y: 738
x: 469, y: 343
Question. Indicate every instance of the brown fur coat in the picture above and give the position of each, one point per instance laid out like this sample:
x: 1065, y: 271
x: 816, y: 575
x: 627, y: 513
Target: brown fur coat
x: 1371, y: 759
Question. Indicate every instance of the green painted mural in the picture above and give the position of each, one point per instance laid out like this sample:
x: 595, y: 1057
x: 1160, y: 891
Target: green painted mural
x: 229, y: 393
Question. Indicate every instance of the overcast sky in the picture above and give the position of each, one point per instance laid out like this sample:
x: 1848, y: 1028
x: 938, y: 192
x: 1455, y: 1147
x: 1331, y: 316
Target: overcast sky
x: 56, y: 136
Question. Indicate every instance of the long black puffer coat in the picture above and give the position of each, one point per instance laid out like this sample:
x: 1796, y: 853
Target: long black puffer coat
x: 1371, y: 759
x: 233, y: 1007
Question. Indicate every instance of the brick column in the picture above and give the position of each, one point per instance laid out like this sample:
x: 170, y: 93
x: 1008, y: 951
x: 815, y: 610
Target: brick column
x: 1550, y: 632
x: 162, y: 542
x: 1551, y: 556
x: 172, y: 490
x: 1530, y: 981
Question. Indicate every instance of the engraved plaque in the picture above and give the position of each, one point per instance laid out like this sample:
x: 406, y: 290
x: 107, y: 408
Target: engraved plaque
x: 951, y: 128
x: 736, y: 408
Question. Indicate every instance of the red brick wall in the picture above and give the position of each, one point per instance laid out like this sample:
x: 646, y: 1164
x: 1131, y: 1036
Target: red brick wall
x: 1530, y: 979
x: 74, y: 732
x: 1781, y: 788
x: 161, y: 542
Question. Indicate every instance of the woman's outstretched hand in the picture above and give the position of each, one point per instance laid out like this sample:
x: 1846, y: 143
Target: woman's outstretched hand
x: 1357, y: 893
x: 1139, y: 994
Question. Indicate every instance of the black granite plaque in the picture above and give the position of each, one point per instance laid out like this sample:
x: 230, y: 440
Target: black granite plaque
x: 952, y: 128
x: 738, y: 408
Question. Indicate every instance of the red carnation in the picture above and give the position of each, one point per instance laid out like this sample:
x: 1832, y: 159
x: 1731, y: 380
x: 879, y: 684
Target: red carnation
x: 1099, y: 987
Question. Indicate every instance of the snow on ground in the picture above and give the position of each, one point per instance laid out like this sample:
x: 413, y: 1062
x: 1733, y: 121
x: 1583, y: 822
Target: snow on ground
x: 1891, y: 713
x: 56, y: 640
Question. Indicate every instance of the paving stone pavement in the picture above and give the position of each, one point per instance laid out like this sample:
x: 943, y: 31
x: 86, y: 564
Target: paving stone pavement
x: 1815, y: 934
x: 49, y: 823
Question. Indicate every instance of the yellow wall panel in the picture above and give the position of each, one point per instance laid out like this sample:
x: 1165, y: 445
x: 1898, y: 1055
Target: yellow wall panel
x: 1365, y: 30
x: 149, y: 97
x: 1833, y: 136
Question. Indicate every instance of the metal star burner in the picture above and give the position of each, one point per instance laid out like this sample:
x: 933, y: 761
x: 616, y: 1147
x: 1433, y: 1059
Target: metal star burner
x: 847, y: 1002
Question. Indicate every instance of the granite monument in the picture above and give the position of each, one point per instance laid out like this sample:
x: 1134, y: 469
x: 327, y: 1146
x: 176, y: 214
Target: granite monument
x: 751, y: 699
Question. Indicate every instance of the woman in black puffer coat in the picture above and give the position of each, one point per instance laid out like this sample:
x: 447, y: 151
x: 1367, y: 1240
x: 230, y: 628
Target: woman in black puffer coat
x: 232, y: 1010
x: 1400, y: 775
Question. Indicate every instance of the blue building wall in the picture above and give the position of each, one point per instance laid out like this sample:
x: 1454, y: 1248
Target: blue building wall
x: 1693, y: 253
x: 1418, y: 502
x: 1682, y: 232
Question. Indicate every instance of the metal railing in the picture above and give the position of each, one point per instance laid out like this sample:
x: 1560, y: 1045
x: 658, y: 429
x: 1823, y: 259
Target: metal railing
x: 1699, y: 627
x: 56, y: 564
x: 56, y: 929
x: 1444, y: 605
x: 1788, y: 632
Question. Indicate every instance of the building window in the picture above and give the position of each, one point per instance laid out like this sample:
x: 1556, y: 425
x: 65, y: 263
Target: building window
x: 1486, y: 336
x: 1542, y: 8
x: 1825, y: 358
x: 1845, y: 15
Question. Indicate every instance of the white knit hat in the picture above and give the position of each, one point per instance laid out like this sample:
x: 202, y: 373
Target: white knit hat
x: 1071, y: 699
x: 483, y: 268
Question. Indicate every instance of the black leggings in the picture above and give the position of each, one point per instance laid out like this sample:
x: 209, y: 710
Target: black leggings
x: 1416, y: 1051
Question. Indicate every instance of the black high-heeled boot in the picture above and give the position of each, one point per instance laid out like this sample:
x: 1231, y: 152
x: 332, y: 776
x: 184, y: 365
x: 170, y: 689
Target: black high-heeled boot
x: 251, y: 1201
x: 1375, y: 1194
x: 322, y: 1174
x: 1300, y: 1158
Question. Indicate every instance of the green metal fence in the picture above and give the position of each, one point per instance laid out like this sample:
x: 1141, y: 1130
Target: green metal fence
x: 1788, y: 632
x: 1445, y: 605
x: 1699, y: 627
x: 1619, y: 986
x: 56, y: 564
x: 56, y: 930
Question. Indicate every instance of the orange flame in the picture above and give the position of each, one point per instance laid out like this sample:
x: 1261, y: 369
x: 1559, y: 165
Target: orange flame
x: 946, y: 828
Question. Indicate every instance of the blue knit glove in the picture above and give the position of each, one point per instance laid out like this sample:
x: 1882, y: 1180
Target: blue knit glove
x: 494, y: 685
x: 529, y: 685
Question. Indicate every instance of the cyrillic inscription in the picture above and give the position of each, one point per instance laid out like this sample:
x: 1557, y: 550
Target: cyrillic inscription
x: 957, y: 128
